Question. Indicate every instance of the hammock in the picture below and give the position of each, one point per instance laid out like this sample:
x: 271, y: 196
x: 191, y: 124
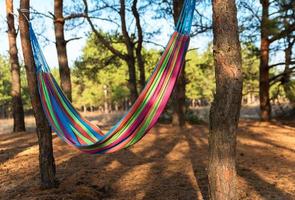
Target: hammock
x: 74, y: 129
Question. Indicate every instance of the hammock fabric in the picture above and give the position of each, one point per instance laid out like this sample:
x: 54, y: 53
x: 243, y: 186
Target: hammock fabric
x: 142, y: 116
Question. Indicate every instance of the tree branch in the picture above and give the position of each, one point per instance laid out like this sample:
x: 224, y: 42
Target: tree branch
x: 75, y: 16
x: 140, y: 59
x: 101, y: 38
x: 275, y: 78
x: 249, y: 8
x: 138, y: 26
x: 71, y: 39
x: 154, y: 43
x: 127, y: 38
x: 34, y: 11
x: 283, y: 33
x: 282, y: 63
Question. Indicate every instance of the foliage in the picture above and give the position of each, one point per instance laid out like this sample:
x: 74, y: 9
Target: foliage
x: 250, y: 68
x: 97, y: 68
x: 199, y: 72
x: 99, y: 76
x: 25, y: 90
x: 5, y: 84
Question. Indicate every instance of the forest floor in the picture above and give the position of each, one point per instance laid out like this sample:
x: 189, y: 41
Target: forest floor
x: 169, y: 163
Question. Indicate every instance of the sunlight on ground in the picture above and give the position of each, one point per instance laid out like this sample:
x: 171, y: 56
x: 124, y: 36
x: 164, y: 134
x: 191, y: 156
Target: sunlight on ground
x: 169, y: 163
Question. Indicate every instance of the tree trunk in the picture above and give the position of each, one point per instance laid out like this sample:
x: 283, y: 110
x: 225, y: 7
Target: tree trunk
x: 130, y: 59
x: 46, y: 159
x: 132, y: 79
x: 140, y: 59
x: 106, y: 105
x: 64, y: 70
x: 225, y: 109
x: 265, y: 107
x: 17, y: 104
x: 141, y: 68
x: 178, y: 117
x: 286, y: 79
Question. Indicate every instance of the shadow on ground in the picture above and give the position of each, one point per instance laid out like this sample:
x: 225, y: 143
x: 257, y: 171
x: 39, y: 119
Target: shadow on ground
x: 169, y: 163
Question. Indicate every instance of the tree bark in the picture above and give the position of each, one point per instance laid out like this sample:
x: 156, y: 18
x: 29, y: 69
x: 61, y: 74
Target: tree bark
x: 17, y: 103
x: 130, y: 53
x: 64, y: 70
x: 286, y: 79
x: 178, y: 117
x: 132, y: 79
x: 264, y: 85
x: 225, y: 109
x: 46, y: 159
x: 138, y: 50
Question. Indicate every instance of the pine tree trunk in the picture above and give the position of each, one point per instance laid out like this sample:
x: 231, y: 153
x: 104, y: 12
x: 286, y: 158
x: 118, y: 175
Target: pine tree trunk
x: 265, y: 107
x: 130, y: 57
x: 17, y: 104
x: 178, y: 117
x: 132, y: 79
x: 141, y: 67
x: 140, y: 59
x: 286, y: 80
x: 225, y: 109
x: 46, y: 159
x: 64, y: 70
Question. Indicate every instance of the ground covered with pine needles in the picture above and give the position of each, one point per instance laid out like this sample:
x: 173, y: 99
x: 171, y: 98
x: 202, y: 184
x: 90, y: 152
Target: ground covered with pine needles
x: 169, y: 163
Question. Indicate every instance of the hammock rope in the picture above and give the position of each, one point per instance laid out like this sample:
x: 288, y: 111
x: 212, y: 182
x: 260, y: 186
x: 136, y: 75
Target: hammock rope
x: 77, y: 131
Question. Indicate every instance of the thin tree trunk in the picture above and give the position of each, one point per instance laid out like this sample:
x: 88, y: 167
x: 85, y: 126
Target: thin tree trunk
x: 17, y: 104
x: 178, y: 117
x: 129, y: 58
x: 264, y: 85
x: 46, y: 159
x: 130, y: 53
x: 141, y: 67
x: 225, y: 109
x: 286, y: 79
x: 106, y: 105
x: 138, y: 50
x: 64, y: 70
x: 132, y: 79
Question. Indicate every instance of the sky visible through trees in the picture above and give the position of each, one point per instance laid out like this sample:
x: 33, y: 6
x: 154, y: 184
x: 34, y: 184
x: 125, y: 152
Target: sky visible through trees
x: 75, y: 47
x: 157, y: 23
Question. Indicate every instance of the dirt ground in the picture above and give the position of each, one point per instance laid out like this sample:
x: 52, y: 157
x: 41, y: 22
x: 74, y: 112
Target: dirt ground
x: 168, y: 163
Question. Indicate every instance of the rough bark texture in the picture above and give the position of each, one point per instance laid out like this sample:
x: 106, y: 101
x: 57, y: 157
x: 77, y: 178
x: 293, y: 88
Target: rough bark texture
x: 46, y: 159
x: 64, y: 70
x: 178, y: 117
x: 225, y: 109
x: 17, y: 104
x: 264, y: 85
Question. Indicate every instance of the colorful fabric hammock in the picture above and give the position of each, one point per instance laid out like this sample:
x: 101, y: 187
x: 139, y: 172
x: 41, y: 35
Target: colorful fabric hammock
x: 142, y: 116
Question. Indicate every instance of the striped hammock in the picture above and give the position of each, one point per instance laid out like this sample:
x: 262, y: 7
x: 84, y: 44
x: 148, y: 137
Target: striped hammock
x: 141, y: 117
